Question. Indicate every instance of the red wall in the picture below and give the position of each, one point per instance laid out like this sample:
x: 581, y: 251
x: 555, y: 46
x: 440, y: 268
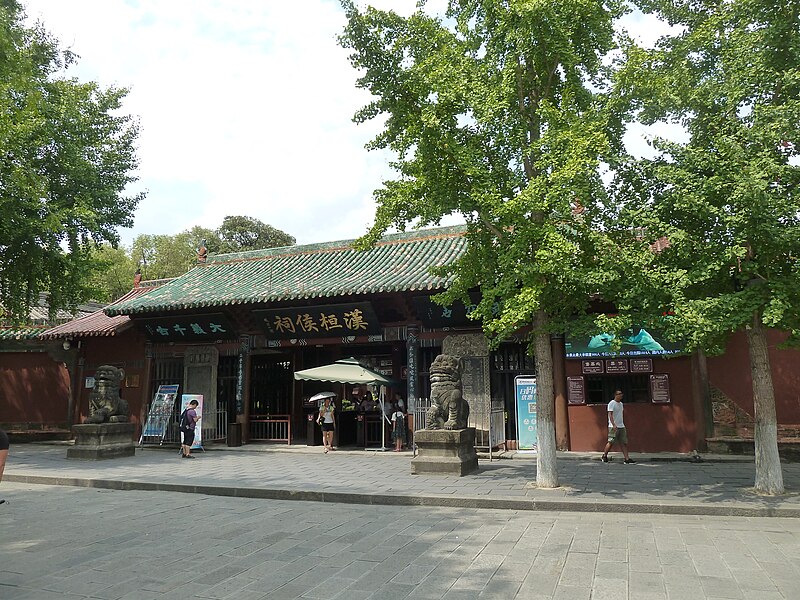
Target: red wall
x: 651, y: 427
x: 33, y: 389
x: 126, y: 351
x: 730, y: 373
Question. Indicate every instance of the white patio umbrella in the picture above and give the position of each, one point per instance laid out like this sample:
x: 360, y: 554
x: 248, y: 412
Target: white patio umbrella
x: 349, y: 370
x: 346, y: 370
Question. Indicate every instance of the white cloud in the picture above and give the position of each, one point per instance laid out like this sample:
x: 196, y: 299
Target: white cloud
x: 245, y: 108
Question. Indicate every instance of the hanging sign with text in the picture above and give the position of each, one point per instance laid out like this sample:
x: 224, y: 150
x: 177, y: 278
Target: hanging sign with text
x: 188, y: 328
x: 329, y: 320
x: 436, y: 315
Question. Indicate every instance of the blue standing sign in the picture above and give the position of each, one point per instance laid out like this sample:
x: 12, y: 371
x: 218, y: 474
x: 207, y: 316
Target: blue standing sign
x: 525, y: 392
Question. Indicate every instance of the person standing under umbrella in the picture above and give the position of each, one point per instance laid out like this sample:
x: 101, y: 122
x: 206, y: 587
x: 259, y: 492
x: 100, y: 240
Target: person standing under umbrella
x: 328, y: 422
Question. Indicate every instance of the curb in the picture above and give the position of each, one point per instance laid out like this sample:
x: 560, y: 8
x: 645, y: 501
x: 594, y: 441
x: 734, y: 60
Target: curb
x: 481, y: 502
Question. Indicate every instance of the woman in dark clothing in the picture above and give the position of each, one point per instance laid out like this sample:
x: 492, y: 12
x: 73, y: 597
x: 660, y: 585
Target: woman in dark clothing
x: 3, y: 454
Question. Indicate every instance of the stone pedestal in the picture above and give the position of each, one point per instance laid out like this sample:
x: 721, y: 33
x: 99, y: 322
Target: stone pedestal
x: 99, y: 442
x: 443, y: 452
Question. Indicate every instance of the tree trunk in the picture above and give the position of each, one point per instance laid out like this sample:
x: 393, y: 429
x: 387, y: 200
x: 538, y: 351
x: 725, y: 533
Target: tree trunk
x: 546, y: 469
x: 560, y: 391
x: 769, y: 476
x: 701, y: 396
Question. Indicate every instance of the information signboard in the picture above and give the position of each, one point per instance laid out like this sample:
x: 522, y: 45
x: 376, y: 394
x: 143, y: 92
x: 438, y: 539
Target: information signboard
x: 592, y: 367
x: 659, y: 388
x: 525, y: 391
x: 617, y: 366
x: 641, y: 365
x: 576, y: 390
x: 160, y: 413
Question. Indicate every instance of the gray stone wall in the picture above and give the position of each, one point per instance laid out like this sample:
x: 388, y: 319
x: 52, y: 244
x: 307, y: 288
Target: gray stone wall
x: 200, y: 377
x: 473, y: 349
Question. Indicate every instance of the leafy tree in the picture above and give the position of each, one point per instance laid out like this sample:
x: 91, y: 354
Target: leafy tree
x: 499, y: 113
x: 728, y: 199
x: 247, y: 233
x: 163, y: 256
x: 67, y: 154
x: 114, y: 276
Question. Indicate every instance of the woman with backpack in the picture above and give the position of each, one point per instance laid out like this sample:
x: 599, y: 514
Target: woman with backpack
x: 187, y: 425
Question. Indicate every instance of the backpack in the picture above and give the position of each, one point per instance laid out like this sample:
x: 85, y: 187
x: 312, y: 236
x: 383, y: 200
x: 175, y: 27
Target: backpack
x: 183, y: 423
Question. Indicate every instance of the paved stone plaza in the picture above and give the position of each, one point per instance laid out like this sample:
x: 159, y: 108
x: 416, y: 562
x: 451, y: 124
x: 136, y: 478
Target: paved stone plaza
x: 72, y: 543
x: 720, y: 486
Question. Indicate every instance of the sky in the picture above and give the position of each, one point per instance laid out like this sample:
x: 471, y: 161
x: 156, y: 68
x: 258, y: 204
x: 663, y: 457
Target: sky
x: 245, y: 108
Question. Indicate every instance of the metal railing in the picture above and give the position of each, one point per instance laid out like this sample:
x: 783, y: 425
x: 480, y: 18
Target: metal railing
x: 271, y: 428
x: 372, y: 430
x: 218, y: 430
x: 490, y: 428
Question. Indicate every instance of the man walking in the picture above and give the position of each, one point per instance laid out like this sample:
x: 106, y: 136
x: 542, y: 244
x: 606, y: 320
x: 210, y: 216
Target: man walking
x: 616, y: 428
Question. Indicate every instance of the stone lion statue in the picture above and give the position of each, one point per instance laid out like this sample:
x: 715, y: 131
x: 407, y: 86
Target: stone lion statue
x: 105, y: 403
x: 448, y: 408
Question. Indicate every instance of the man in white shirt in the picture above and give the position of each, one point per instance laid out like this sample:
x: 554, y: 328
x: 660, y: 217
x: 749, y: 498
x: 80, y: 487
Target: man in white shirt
x: 616, y: 428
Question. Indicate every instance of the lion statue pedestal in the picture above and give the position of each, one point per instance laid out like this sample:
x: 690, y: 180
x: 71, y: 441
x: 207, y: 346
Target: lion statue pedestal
x: 446, y: 446
x: 106, y: 433
x: 103, y: 441
x: 445, y: 452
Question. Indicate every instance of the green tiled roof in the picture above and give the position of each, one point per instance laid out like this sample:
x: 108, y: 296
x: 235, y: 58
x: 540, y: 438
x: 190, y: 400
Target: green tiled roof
x: 398, y: 262
x: 21, y: 333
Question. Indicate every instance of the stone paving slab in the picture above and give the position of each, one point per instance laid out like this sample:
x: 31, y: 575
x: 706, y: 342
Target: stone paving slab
x: 378, y: 478
x: 90, y: 544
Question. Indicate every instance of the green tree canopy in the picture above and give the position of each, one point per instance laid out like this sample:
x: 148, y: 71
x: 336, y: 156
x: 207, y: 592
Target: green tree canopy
x: 499, y: 112
x: 246, y: 233
x: 727, y: 200
x: 114, y: 276
x: 67, y: 154
x: 163, y: 256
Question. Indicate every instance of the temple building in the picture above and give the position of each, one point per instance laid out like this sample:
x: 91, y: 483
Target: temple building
x: 237, y: 327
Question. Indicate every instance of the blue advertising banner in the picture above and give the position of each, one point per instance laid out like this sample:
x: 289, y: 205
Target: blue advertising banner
x: 525, y: 392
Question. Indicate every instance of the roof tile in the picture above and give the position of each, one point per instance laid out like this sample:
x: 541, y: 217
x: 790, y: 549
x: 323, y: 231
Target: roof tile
x: 398, y: 262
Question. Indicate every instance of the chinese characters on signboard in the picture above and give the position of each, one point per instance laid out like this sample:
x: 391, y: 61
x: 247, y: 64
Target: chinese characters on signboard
x: 527, y: 419
x: 189, y: 328
x: 641, y: 365
x: 319, y: 321
x: 436, y: 315
x: 576, y: 390
x: 659, y: 388
x: 616, y: 366
x: 592, y: 367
